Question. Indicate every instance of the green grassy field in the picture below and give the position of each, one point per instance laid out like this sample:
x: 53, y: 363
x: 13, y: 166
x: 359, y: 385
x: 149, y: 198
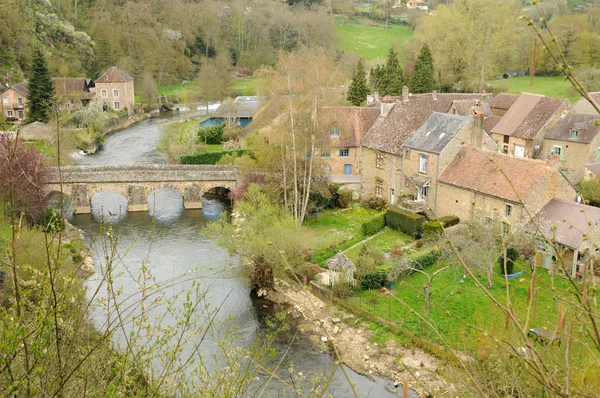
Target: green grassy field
x: 551, y: 86
x: 244, y: 86
x: 389, y: 239
x: 370, y: 42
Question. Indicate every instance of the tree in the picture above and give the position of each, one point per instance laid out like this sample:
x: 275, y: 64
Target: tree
x: 392, y: 80
x: 41, y: 95
x: 213, y: 80
x: 423, y: 80
x: 358, y: 91
x: 148, y: 89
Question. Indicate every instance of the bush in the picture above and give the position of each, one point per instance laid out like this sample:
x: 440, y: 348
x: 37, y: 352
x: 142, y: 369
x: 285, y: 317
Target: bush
x: 373, y: 225
x: 432, y: 228
x: 77, y: 258
x: 51, y: 221
x: 406, y: 221
x: 407, y: 265
x: 210, y: 135
x: 374, y: 280
x: 449, y: 221
x: 511, y: 256
x: 344, y: 198
x: 374, y: 202
x: 208, y: 157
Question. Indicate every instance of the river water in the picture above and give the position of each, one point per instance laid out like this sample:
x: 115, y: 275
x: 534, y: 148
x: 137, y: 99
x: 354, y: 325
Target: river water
x: 171, y: 245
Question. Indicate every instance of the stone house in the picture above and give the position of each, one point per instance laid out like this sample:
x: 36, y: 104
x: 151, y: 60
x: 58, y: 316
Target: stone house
x: 115, y: 91
x: 592, y: 171
x: 343, y: 129
x: 430, y: 149
x: 340, y: 268
x: 501, y: 103
x: 73, y: 93
x: 573, y: 142
x: 496, y: 186
x: 573, y: 227
x: 521, y: 130
x: 470, y: 107
x: 399, y: 118
x: 14, y: 103
x: 585, y: 107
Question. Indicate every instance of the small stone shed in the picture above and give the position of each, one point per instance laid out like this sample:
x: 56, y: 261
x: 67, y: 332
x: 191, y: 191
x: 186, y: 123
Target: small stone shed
x: 340, y: 266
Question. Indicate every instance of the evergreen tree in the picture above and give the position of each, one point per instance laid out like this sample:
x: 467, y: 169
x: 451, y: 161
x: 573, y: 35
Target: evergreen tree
x: 358, y: 91
x: 376, y: 78
x: 393, y: 80
x: 40, y: 97
x: 423, y: 80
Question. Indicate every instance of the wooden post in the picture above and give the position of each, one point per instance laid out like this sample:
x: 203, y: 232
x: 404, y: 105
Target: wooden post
x: 405, y: 387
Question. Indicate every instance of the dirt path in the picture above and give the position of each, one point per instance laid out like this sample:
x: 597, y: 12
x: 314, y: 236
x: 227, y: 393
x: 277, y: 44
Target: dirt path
x: 363, y: 241
x: 325, y: 324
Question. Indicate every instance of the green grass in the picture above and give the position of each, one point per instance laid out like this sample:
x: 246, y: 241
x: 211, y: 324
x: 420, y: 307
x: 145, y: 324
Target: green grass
x: 238, y: 87
x: 370, y: 42
x: 552, y: 86
x: 244, y: 86
x: 174, y: 89
x: 386, y: 241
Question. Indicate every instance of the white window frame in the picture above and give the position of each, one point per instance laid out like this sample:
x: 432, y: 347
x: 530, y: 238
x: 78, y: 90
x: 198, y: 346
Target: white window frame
x: 9, y: 114
x: 335, y: 132
x: 117, y: 106
x: 103, y: 93
x: 423, y: 163
x: 115, y: 93
x: 505, y: 148
x: 327, y: 169
x: 20, y: 115
x: 574, y: 133
x: 379, y: 160
x: 20, y: 101
x: 379, y: 188
x: 346, y: 151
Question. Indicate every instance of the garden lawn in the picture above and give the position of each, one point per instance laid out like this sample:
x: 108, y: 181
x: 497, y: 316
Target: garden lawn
x: 243, y: 86
x: 389, y: 239
x: 370, y: 42
x: 465, y: 301
x: 552, y: 86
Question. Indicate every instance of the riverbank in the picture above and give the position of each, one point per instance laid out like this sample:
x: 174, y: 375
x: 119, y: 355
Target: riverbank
x: 323, y: 323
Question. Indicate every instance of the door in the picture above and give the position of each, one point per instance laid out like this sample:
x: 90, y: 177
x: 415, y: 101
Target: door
x: 422, y: 193
x: 20, y: 115
x: 519, y: 151
x: 347, y: 169
x: 392, y: 196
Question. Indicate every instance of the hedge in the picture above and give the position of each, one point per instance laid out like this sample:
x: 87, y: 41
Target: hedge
x: 208, y: 157
x: 425, y: 260
x: 373, y: 225
x: 431, y: 228
x: 408, y: 222
x: 373, y: 281
x: 211, y: 134
x: 449, y: 221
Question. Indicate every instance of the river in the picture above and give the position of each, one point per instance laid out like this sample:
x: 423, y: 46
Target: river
x: 172, y: 246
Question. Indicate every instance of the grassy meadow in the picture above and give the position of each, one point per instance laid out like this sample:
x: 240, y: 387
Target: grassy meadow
x: 552, y: 86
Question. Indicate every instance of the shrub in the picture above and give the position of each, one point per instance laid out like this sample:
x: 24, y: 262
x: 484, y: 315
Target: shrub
x: 373, y: 225
x: 449, y: 221
x: 77, y: 258
x: 344, y: 198
x: 432, y: 228
x: 374, y: 280
x: 51, y: 221
x: 208, y: 157
x: 310, y: 270
x: 374, y: 202
x: 406, y: 221
x: 511, y: 256
x: 397, y: 252
x: 210, y: 135
x: 407, y: 265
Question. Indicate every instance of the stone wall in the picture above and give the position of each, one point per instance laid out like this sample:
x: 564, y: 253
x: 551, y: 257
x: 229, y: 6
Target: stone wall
x: 389, y: 174
x: 11, y: 106
x: 125, y: 98
x: 576, y: 156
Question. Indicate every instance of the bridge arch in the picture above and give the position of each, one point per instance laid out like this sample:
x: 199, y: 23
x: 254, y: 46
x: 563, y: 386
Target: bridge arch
x: 109, y: 205
x: 60, y: 202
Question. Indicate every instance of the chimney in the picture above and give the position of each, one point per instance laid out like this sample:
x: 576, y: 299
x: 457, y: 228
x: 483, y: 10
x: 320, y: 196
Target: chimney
x: 477, y: 132
x: 370, y: 99
x: 386, y: 107
x: 434, y: 95
x: 376, y: 95
x: 404, y: 94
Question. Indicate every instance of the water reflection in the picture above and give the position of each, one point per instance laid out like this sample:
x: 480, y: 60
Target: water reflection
x: 214, y: 206
x: 108, y: 207
x: 165, y: 205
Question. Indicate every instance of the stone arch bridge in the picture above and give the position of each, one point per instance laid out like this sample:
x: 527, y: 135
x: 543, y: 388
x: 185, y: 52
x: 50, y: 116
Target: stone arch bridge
x: 137, y: 182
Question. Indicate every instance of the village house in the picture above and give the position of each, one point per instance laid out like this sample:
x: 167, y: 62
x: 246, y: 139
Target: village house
x: 491, y: 185
x: 501, y: 103
x: 521, y: 130
x: 430, y: 149
x: 382, y: 152
x: 14, y: 103
x: 73, y: 93
x: 592, y: 171
x: 339, y: 144
x: 585, y: 107
x: 421, y: 4
x: 573, y: 227
x: 470, y: 107
x: 115, y: 91
x: 573, y: 142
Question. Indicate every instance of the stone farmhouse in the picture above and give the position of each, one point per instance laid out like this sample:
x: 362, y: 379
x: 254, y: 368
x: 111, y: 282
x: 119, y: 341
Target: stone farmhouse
x: 521, y: 130
x: 573, y: 142
x: 114, y: 89
x: 14, y: 103
x: 485, y: 184
x: 73, y: 93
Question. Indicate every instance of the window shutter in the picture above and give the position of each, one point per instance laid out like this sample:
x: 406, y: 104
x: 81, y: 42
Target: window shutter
x: 562, y: 154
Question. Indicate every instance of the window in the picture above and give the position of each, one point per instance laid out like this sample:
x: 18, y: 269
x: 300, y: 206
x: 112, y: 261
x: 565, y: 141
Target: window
x: 116, y: 93
x: 9, y: 113
x: 20, y: 101
x: 423, y: 163
x: 5, y: 101
x: 325, y: 154
x: 327, y: 169
x: 505, y: 148
x: 379, y: 160
x: 505, y: 228
x: 117, y: 106
x: 574, y: 134
x: 379, y: 188
x: 335, y: 132
x: 508, y: 210
x: 557, y: 150
x: 506, y: 139
x: 407, y: 153
x: 104, y: 93
x: 344, y: 153
x: 20, y: 114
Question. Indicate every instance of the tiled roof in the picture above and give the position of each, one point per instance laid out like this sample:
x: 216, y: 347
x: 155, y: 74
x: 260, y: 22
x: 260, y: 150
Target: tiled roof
x: 352, y: 123
x: 584, y: 106
x: 114, y: 75
x: 584, y: 124
x: 20, y: 88
x: 503, y: 101
x: 489, y: 122
x: 565, y: 222
x: 594, y: 168
x: 528, y: 115
x: 388, y: 134
x: 72, y: 86
x: 471, y: 107
x: 491, y: 173
x: 340, y: 262
x: 436, y: 132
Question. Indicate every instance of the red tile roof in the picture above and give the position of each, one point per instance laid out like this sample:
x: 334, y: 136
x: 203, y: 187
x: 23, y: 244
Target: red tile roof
x: 492, y: 173
x: 352, y: 122
x: 114, y: 75
x: 503, y: 101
